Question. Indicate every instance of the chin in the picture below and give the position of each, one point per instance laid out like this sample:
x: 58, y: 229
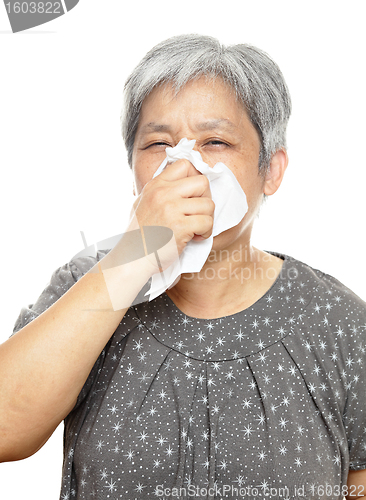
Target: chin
x: 232, y: 237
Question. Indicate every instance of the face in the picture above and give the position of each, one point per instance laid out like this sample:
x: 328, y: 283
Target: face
x: 207, y: 111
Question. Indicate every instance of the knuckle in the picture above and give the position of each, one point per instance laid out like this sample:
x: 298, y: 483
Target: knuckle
x: 210, y: 204
x: 204, y: 181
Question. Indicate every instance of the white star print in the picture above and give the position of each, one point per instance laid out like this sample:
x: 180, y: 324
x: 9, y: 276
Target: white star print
x: 116, y: 427
x: 262, y: 455
x: 229, y: 375
x: 143, y: 436
x: 104, y: 474
x: 152, y: 411
x: 200, y: 336
x: 349, y: 361
x: 312, y: 387
x: 130, y: 454
x: 261, y: 419
x: 100, y: 445
x: 240, y: 335
x: 187, y: 363
x: 283, y: 423
x: 169, y: 451
x: 264, y: 485
x: 142, y: 356
x: 162, y: 394
x: 144, y: 377
x: 262, y: 357
x: 130, y: 370
x: 307, y: 345
x: 139, y: 487
x: 138, y: 345
x: 248, y: 431
x: 161, y: 440
x: 316, y: 370
x: 215, y: 409
x: 186, y: 321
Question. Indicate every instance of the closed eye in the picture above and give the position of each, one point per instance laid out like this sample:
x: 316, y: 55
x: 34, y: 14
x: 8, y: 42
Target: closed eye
x: 159, y: 144
x: 216, y: 142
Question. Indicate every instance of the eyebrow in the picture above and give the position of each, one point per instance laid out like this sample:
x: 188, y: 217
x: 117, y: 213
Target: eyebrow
x: 222, y: 123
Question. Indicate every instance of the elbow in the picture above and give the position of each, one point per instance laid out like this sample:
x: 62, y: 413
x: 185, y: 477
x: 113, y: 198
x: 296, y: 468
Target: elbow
x: 10, y: 452
x: 15, y: 446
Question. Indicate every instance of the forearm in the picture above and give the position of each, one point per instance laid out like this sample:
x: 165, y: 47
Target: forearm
x: 44, y: 366
x: 356, y: 484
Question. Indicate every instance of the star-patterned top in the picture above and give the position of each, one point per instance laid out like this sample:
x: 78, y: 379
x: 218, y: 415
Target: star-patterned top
x: 269, y: 397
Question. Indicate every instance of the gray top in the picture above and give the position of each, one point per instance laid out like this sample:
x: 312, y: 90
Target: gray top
x: 270, y: 397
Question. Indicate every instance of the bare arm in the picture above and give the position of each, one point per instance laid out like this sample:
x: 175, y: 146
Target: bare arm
x: 44, y: 366
x: 356, y: 484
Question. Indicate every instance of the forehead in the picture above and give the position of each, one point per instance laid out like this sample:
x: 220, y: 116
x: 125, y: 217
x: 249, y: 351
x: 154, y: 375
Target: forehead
x: 211, y: 99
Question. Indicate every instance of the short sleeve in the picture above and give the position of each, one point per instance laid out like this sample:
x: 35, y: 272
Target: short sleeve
x: 61, y: 281
x: 354, y: 379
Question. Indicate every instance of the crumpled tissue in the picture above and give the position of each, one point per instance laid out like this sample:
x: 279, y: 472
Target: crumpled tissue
x: 230, y: 208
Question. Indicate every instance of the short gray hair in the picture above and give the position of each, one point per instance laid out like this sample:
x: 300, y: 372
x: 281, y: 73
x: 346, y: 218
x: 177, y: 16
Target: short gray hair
x: 256, y: 79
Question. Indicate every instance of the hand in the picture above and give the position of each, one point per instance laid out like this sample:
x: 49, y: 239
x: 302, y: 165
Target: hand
x: 180, y: 199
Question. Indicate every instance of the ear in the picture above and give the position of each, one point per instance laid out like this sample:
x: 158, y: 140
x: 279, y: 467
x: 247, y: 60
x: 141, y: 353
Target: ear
x: 133, y: 188
x: 276, y: 171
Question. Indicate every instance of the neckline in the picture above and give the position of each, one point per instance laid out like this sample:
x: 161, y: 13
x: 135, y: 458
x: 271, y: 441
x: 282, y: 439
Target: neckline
x: 231, y: 337
x: 279, y: 278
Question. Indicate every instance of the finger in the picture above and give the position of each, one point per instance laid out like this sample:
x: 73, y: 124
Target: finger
x: 178, y: 170
x: 197, y: 206
x: 193, y: 186
x: 201, y: 225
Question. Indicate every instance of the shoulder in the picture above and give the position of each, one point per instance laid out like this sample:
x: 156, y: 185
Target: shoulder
x: 320, y: 286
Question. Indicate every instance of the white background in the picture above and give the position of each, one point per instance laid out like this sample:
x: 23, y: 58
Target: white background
x: 63, y: 163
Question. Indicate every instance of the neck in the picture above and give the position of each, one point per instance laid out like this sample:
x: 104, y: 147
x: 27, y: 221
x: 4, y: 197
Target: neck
x: 230, y: 281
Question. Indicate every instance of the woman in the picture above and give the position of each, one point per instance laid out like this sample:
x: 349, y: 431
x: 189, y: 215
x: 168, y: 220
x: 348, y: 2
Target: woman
x: 244, y: 379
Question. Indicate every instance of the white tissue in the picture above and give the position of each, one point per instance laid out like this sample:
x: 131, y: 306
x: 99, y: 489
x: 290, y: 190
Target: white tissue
x: 230, y: 208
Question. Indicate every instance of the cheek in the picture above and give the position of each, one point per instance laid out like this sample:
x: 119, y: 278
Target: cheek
x: 142, y: 171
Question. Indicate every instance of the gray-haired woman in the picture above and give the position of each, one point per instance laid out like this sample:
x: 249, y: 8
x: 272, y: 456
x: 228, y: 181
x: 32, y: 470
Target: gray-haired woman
x: 243, y: 379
